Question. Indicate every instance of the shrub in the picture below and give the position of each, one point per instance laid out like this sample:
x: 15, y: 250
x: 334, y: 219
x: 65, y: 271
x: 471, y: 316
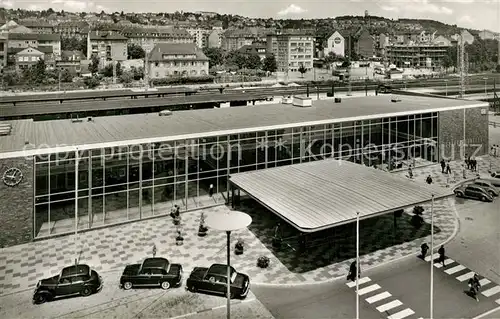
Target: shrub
x: 92, y: 82
x: 263, y: 262
x: 183, y: 80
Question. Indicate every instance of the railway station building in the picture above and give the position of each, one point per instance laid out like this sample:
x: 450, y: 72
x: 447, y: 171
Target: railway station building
x: 66, y: 176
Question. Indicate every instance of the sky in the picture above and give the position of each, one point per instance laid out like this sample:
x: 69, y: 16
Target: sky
x: 476, y: 14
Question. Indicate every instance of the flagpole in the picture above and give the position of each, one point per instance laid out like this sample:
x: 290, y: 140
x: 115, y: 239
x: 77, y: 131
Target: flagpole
x: 357, y: 265
x: 432, y: 261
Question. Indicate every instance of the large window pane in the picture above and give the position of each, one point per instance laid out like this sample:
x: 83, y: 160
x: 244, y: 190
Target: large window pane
x: 42, y: 226
x: 42, y: 179
x: 62, y: 217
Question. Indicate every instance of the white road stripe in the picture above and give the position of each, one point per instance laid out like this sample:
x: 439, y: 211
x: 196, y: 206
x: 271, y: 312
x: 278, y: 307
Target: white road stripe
x: 497, y: 301
x: 361, y: 281
x: 448, y: 261
x: 454, y: 269
x: 390, y: 305
x: 484, y: 282
x: 492, y: 291
x: 368, y: 289
x: 428, y: 258
x: 378, y: 297
x: 465, y: 277
x: 438, y: 265
x: 402, y: 314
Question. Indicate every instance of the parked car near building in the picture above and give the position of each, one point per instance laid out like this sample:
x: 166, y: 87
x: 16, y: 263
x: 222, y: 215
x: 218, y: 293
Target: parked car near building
x: 152, y: 272
x: 73, y: 280
x: 488, y: 186
x: 474, y: 192
x: 214, y: 280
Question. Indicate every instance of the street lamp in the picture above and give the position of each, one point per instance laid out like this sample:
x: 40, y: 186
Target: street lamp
x: 228, y: 222
x: 432, y: 261
x: 485, y: 83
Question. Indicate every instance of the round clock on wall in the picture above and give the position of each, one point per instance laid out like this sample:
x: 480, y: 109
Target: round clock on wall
x: 12, y: 177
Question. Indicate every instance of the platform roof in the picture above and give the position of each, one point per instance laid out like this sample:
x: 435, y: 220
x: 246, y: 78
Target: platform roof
x: 319, y: 195
x: 64, y: 135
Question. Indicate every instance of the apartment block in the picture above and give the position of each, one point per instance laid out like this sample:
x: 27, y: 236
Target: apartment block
x: 107, y: 46
x: 177, y: 60
x: 148, y: 37
x: 291, y: 51
x: 417, y: 55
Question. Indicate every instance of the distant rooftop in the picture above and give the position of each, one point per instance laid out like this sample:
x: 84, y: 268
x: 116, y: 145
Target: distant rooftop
x: 152, y: 128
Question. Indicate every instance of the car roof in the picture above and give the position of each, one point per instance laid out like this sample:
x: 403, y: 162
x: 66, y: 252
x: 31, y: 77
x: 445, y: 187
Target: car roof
x: 219, y: 269
x: 155, y: 263
x: 75, y: 270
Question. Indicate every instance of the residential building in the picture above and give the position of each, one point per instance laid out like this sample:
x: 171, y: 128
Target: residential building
x: 256, y: 48
x: 365, y: 44
x: 417, y: 55
x: 406, y: 37
x: 335, y: 44
x: 177, y: 59
x: 382, y: 41
x: 71, y: 61
x: 53, y: 40
x: 233, y: 39
x: 465, y: 35
x: 425, y: 37
x: 488, y: 35
x: 215, y: 38
x: 291, y: 50
x: 107, y: 46
x: 149, y: 37
x: 38, y: 25
x: 3, y: 50
x: 34, y: 40
x: 200, y: 36
x: 72, y: 29
x: 442, y: 40
x: 27, y: 57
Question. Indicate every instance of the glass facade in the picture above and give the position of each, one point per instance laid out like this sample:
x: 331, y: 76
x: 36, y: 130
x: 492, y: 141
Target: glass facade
x: 102, y: 187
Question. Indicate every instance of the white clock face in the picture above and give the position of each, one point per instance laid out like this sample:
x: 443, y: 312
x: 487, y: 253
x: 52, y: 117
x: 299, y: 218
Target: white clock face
x: 12, y: 177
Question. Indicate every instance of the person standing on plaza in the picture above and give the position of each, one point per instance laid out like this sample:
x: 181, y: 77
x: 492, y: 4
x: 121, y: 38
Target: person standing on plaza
x: 443, y: 166
x: 448, y: 169
x: 352, y: 272
x: 429, y: 180
x: 464, y: 173
x: 211, y: 190
x: 424, y: 249
x: 410, y: 172
x: 442, y: 256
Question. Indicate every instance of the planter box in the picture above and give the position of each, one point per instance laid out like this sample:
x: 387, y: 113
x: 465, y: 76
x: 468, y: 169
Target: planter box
x: 287, y: 100
x: 302, y: 101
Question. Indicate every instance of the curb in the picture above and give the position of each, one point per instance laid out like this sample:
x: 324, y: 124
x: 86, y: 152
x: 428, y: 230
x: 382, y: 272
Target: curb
x: 213, y: 308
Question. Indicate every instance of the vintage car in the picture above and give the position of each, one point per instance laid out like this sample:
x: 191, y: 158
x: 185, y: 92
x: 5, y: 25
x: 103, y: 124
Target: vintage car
x: 214, y: 280
x: 73, y: 280
x: 486, y: 184
x: 152, y: 272
x: 473, y: 191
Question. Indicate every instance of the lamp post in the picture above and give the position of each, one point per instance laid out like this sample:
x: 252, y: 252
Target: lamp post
x: 228, y: 222
x: 485, y: 84
x: 357, y: 265
x: 432, y: 261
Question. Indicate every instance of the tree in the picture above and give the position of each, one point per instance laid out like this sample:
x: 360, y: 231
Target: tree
x: 253, y: 62
x: 269, y: 63
x: 94, y: 65
x: 137, y: 73
x: 236, y: 58
x: 126, y: 77
x: 91, y: 82
x: 446, y: 62
x: 135, y: 51
x: 38, y: 72
x: 66, y: 76
x: 302, y: 70
x: 215, y: 56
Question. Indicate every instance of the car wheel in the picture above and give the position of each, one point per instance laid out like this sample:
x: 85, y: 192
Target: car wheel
x: 492, y: 194
x: 192, y: 289
x: 86, y: 292
x: 459, y: 194
x: 484, y: 199
x: 127, y: 285
x: 165, y: 285
x: 41, y: 298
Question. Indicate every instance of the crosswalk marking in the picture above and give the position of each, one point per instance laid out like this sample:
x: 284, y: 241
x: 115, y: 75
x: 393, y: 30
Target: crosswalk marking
x: 465, y: 277
x: 448, y: 261
x: 360, y: 280
x: 454, y: 269
x: 390, y: 305
x: 497, y: 301
x: 368, y: 289
x: 492, y: 291
x: 438, y: 265
x: 484, y: 282
x: 402, y: 314
x: 428, y: 258
x: 378, y: 297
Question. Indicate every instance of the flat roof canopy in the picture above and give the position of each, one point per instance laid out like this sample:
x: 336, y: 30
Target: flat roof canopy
x: 327, y: 193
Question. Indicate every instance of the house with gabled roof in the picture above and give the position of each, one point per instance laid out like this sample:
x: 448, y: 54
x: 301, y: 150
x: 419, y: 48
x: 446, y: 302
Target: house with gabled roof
x: 177, y: 60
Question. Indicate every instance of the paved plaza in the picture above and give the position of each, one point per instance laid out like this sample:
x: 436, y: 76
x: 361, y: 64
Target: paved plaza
x: 112, y: 248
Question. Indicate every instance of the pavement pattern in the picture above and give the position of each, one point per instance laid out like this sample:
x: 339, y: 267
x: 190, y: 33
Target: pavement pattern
x: 113, y: 247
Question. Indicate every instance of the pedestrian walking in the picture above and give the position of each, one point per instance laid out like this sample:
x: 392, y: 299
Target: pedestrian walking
x: 442, y: 256
x: 443, y: 166
x: 211, y: 190
x: 410, y: 172
x: 154, y: 251
x: 464, y: 173
x: 424, y: 249
x: 352, y: 271
x: 448, y: 169
x: 474, y: 285
x: 467, y: 161
x: 429, y: 180
x: 474, y: 165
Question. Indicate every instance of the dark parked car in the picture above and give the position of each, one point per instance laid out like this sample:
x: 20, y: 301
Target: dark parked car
x: 214, y: 280
x: 473, y: 191
x: 486, y: 184
x: 152, y: 272
x: 73, y: 280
